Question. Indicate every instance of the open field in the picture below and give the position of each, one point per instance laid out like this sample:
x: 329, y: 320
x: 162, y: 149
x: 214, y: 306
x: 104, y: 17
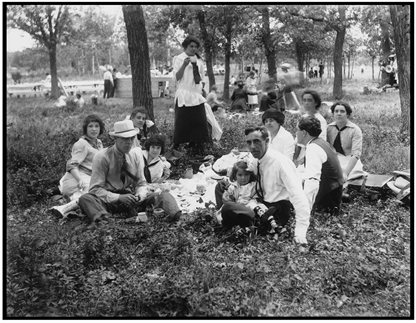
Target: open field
x: 356, y: 265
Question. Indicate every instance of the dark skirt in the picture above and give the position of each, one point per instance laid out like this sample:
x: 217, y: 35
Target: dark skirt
x: 239, y: 104
x: 191, y: 124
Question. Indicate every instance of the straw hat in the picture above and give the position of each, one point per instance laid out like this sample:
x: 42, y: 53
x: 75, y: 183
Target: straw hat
x: 124, y: 129
x: 285, y: 65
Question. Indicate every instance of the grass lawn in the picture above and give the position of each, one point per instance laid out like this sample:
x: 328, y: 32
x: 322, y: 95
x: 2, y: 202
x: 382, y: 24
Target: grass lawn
x: 356, y: 264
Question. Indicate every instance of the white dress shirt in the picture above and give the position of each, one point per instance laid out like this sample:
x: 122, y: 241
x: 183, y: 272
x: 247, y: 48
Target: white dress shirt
x: 284, y: 143
x: 280, y: 181
x: 315, y: 156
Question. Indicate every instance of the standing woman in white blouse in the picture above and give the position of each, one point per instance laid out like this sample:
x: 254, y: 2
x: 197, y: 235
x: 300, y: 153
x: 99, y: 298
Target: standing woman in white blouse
x: 190, y: 118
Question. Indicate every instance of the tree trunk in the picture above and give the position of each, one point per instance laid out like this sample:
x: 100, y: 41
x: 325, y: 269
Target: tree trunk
x: 226, y: 93
x: 372, y: 66
x: 269, y: 48
x: 339, y: 42
x: 400, y: 16
x: 139, y: 57
x: 55, y: 92
x: 386, y: 50
x: 208, y: 48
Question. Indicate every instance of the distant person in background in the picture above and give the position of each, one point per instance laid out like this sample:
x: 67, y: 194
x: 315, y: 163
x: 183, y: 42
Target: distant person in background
x: 310, y: 74
x: 269, y: 101
x: 79, y: 100
x: 239, y: 98
x: 114, y: 75
x: 252, y: 90
x: 315, y: 72
x: 321, y: 70
x: 233, y: 80
x: 108, y: 83
x: 212, y: 99
x: 48, y: 78
x: 362, y: 69
x: 190, y: 125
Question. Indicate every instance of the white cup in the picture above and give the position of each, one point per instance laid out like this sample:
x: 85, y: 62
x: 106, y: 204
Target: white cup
x: 193, y: 59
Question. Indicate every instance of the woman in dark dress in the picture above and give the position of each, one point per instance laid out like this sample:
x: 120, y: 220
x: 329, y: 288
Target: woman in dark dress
x: 239, y: 98
x: 190, y: 119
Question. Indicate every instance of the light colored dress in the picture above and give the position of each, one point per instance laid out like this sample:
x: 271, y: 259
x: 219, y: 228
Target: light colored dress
x: 82, y: 155
x: 352, y: 145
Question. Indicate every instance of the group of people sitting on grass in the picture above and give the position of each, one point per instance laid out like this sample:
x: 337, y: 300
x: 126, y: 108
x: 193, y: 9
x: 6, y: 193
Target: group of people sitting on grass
x: 277, y: 178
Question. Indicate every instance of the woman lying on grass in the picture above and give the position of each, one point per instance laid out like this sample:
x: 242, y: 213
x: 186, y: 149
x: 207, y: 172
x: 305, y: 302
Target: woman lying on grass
x: 76, y: 180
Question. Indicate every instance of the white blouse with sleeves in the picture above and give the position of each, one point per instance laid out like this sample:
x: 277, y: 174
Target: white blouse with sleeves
x: 188, y: 93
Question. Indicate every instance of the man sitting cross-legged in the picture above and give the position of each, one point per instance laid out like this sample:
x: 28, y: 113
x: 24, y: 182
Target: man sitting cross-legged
x: 278, y: 186
x: 323, y: 177
x: 117, y: 182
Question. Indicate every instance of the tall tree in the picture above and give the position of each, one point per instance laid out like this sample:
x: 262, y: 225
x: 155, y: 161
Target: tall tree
x: 139, y: 57
x: 46, y: 24
x: 400, y: 17
x: 268, y: 43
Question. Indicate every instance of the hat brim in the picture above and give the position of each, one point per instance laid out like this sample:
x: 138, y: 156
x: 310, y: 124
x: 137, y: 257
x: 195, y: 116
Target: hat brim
x: 126, y: 134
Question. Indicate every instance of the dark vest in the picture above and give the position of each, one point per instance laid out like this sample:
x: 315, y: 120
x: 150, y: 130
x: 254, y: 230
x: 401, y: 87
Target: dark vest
x: 331, y: 176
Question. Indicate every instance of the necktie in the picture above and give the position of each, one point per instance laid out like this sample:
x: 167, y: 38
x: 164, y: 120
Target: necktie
x: 337, y: 141
x: 125, y: 171
x: 197, y: 77
x: 259, y: 189
x: 146, y: 171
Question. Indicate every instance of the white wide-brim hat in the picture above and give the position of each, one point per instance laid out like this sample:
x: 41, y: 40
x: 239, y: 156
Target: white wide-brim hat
x: 285, y: 65
x: 124, y: 129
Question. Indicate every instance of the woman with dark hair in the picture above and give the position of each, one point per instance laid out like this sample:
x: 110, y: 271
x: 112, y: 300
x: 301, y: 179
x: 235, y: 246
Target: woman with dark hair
x: 311, y: 101
x: 280, y: 139
x: 157, y: 170
x: 140, y: 121
x: 76, y: 180
x: 239, y: 98
x: 156, y: 167
x: 190, y: 118
x: 347, y: 139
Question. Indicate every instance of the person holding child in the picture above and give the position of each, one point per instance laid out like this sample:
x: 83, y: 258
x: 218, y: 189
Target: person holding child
x: 190, y: 124
x: 77, y: 178
x: 240, y: 192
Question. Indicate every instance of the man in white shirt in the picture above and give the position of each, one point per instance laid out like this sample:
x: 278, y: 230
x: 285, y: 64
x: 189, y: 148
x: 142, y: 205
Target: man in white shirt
x: 108, y: 83
x: 323, y: 178
x: 278, y: 184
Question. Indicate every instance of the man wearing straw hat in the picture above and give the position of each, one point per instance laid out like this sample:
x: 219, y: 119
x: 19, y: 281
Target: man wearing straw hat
x: 117, y: 182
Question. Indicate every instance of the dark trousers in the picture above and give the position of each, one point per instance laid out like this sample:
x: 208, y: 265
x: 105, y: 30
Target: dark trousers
x: 329, y: 201
x: 107, y: 88
x: 94, y: 207
x: 236, y: 214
